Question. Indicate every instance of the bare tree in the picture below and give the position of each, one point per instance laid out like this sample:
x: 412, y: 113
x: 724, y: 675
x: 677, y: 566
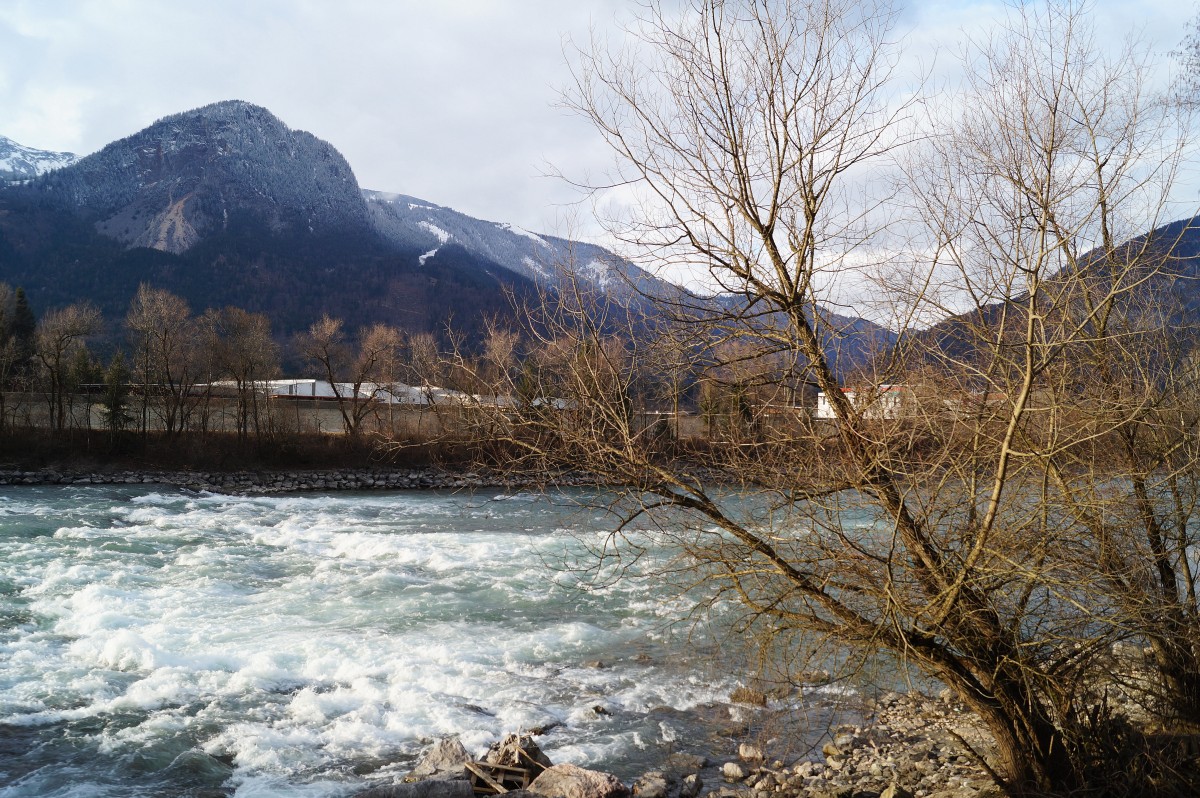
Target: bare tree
x: 1038, y: 225
x: 59, y: 335
x: 245, y: 352
x: 743, y: 127
x: 366, y: 371
x: 166, y: 340
x: 424, y: 364
x: 378, y: 362
x: 1187, y: 81
x: 499, y: 359
x: 10, y: 347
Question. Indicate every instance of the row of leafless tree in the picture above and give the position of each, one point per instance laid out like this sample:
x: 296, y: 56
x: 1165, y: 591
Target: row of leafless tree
x: 172, y: 367
x: 175, y: 360
x: 180, y: 360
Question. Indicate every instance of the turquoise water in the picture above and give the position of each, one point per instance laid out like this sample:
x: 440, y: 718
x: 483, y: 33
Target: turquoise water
x: 161, y: 643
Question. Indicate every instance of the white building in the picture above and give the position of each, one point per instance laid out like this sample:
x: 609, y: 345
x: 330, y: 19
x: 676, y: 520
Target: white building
x: 886, y: 401
x: 392, y: 393
x: 395, y: 393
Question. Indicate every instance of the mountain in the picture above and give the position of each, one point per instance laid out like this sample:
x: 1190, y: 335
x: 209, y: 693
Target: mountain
x: 175, y: 182
x: 22, y: 163
x: 227, y: 205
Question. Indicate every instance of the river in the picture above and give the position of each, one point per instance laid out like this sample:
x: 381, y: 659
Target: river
x: 156, y: 642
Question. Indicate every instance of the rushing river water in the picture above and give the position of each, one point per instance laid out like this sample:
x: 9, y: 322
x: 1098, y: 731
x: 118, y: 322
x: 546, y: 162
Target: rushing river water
x: 161, y: 643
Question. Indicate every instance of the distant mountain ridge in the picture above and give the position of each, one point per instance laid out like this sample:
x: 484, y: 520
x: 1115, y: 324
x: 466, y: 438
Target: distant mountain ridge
x: 1167, y: 286
x: 176, y: 182
x: 542, y: 258
x: 18, y: 162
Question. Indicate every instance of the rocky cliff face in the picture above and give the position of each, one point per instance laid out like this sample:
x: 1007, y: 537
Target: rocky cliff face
x: 171, y: 184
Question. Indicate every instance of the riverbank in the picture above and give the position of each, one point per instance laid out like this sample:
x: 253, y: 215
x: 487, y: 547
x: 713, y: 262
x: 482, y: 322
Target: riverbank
x: 271, y: 481
x: 911, y: 746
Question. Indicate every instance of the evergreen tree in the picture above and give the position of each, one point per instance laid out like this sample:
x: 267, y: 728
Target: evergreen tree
x: 114, y: 403
x: 22, y: 328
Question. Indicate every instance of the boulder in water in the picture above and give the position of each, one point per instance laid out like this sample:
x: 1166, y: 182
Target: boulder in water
x: 680, y: 763
x: 750, y: 753
x: 445, y: 759
x: 651, y: 785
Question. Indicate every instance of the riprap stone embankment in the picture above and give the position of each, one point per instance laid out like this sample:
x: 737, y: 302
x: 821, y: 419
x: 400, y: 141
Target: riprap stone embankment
x: 278, y: 481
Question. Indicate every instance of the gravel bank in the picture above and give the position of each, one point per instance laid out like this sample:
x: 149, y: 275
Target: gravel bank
x: 914, y: 746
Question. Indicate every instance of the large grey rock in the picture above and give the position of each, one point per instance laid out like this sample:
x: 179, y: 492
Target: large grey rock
x: 651, y: 785
x: 422, y: 789
x: 446, y: 757
x: 681, y: 763
x: 572, y: 781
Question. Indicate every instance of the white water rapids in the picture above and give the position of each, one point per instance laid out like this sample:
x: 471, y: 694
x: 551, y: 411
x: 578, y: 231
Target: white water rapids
x: 161, y: 643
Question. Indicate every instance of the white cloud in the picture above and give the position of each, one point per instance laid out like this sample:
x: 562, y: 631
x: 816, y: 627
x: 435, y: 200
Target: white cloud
x: 449, y: 101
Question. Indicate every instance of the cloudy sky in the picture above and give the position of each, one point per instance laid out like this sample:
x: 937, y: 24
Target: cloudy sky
x: 449, y: 100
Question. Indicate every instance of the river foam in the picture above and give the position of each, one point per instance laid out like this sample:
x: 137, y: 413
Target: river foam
x: 156, y: 642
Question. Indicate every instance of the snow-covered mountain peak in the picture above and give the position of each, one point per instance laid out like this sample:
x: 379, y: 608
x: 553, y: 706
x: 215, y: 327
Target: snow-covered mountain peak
x: 18, y: 162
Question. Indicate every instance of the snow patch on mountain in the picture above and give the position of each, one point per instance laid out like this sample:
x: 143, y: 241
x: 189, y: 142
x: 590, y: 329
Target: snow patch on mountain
x: 537, y: 268
x: 523, y: 232
x: 545, y: 259
x: 428, y: 255
x: 598, y: 273
x: 432, y: 228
